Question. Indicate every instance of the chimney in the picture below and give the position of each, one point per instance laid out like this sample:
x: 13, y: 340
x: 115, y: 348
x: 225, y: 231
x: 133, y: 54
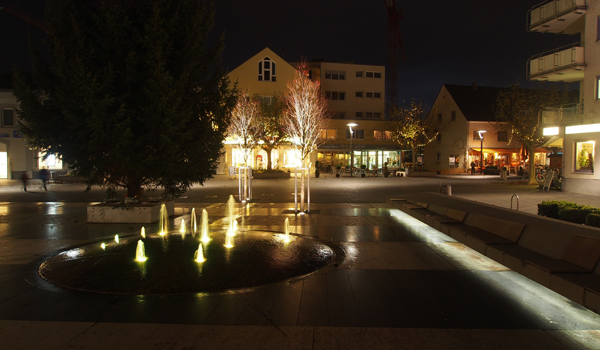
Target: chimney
x: 474, y: 85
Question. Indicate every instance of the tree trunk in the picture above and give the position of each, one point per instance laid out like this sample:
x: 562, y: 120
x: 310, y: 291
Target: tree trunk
x: 268, y: 150
x: 531, y: 151
x: 134, y: 188
x: 414, y: 158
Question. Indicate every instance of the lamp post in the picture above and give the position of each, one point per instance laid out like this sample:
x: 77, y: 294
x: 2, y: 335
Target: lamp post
x: 350, y: 125
x: 481, y: 132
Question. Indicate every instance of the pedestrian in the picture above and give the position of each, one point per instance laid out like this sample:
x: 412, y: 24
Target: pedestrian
x: 44, y: 175
x: 24, y: 178
x: 472, y: 168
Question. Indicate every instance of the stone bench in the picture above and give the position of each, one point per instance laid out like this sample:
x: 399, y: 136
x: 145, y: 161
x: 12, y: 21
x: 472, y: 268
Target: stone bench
x: 478, y: 231
x: 418, y: 210
x: 562, y: 256
x: 441, y: 218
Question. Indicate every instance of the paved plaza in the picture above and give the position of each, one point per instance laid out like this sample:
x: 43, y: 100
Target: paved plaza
x: 396, y: 283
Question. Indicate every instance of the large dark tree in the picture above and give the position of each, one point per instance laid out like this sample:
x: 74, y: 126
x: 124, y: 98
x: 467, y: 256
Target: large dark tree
x: 132, y: 94
x: 270, y: 125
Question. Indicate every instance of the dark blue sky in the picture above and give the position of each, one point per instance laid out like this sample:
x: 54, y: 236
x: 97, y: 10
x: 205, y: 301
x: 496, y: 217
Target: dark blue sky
x: 446, y: 41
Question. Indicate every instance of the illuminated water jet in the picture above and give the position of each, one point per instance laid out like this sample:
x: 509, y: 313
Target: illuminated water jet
x: 182, y: 228
x: 193, y: 225
x: 163, y: 223
x: 204, y: 227
x: 140, y: 252
x: 287, y: 230
x: 117, y: 239
x: 199, y: 255
x: 143, y: 233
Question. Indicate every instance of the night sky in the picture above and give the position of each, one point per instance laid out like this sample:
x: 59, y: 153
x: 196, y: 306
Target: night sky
x: 446, y: 41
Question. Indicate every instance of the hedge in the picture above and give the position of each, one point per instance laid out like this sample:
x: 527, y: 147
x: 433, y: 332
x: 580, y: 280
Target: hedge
x: 570, y: 212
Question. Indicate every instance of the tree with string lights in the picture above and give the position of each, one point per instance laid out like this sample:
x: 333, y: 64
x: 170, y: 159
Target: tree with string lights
x: 243, y: 125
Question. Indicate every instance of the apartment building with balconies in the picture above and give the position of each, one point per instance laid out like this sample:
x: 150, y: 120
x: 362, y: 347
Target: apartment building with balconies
x: 574, y: 127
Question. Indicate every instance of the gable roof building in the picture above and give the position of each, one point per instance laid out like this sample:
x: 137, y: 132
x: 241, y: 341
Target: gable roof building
x: 459, y: 113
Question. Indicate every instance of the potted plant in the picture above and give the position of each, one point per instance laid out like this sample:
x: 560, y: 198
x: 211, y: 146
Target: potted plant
x: 339, y: 168
x: 317, y: 166
x: 362, y: 170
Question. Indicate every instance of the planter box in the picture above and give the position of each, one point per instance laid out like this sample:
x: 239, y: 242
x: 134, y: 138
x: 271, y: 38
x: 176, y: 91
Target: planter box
x: 134, y: 214
x: 273, y: 175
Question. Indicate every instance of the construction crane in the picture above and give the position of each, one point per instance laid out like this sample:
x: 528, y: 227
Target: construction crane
x: 395, y: 48
x: 24, y: 15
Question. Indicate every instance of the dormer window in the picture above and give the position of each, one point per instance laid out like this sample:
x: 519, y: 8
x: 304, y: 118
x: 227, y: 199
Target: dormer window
x: 266, y: 70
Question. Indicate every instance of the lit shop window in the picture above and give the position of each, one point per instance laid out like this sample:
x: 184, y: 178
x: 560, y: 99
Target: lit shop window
x: 584, y: 157
x: 52, y: 162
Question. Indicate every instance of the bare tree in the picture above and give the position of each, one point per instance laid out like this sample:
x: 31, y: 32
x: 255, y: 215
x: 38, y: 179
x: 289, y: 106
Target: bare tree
x: 270, y: 125
x: 306, y: 113
x: 242, y: 125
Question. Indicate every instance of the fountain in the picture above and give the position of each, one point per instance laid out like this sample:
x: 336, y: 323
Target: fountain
x: 204, y: 227
x: 193, y: 226
x: 163, y: 222
x: 287, y: 231
x: 179, y: 263
x: 182, y: 228
x: 199, y: 256
x: 140, y: 252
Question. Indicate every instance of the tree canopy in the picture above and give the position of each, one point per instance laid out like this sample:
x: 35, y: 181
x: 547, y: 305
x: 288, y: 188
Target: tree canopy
x: 517, y: 110
x: 410, y: 127
x: 132, y: 95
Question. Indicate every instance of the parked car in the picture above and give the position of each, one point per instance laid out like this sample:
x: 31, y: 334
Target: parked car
x: 491, y: 170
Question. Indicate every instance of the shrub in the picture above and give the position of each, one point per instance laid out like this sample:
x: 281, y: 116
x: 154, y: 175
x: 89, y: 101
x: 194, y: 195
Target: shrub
x: 576, y: 214
x: 551, y: 208
x: 593, y: 219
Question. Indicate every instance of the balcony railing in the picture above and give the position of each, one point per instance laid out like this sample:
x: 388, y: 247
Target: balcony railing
x: 563, y: 64
x: 564, y: 114
x: 556, y: 16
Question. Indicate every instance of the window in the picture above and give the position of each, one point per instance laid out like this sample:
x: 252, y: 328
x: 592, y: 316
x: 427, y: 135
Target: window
x: 266, y: 70
x: 267, y: 99
x: 476, y: 136
x: 438, y: 157
x: 359, y: 74
x: 376, y: 115
x: 335, y: 74
x: 373, y: 74
x: 598, y: 28
x: 8, y: 117
x: 369, y: 114
x: 382, y: 135
x: 358, y: 114
x: 438, y: 138
x: 453, y: 115
x: 359, y: 94
x: 358, y: 134
x: 335, y: 95
x: 598, y: 88
x: 503, y: 135
x: 584, y: 157
x: 338, y: 115
x: 371, y: 94
x: 330, y: 134
x: 439, y: 117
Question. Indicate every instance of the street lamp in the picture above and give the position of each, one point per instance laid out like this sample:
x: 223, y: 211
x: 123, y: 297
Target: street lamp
x: 481, y: 132
x: 350, y: 125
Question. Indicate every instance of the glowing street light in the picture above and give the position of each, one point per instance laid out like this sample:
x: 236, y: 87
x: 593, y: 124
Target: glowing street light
x: 481, y: 132
x: 350, y: 125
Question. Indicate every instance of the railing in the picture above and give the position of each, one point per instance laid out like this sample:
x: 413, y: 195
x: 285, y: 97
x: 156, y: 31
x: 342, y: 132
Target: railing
x: 552, y: 9
x: 562, y: 114
x: 552, y: 61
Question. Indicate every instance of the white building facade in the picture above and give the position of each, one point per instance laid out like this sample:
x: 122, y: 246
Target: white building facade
x: 576, y: 127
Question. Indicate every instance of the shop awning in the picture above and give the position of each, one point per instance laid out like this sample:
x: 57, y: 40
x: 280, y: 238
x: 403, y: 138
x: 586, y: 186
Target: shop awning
x: 555, y: 141
x: 495, y: 150
x: 503, y: 150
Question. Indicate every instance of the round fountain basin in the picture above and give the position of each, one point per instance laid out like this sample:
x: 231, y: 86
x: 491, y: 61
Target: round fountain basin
x: 257, y: 258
